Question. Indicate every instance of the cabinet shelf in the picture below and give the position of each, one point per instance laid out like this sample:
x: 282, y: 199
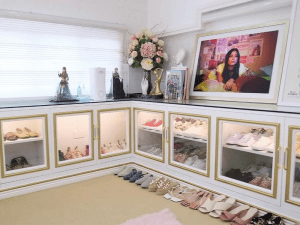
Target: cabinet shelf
x: 20, y: 141
x: 157, y: 131
x: 249, y: 150
x: 190, y: 138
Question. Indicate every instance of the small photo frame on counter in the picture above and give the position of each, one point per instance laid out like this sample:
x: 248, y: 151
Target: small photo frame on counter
x: 174, y: 84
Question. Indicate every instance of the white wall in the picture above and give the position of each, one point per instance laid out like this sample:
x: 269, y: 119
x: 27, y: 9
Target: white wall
x: 131, y: 13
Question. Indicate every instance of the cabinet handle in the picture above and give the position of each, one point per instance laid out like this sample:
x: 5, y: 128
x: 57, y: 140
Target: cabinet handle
x: 163, y: 134
x: 278, y: 149
x: 96, y: 132
x: 285, y: 157
x: 167, y: 134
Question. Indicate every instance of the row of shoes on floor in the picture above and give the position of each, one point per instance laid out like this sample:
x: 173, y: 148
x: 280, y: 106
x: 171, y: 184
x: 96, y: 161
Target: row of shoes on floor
x: 109, y: 148
x: 258, y: 139
x: 25, y: 133
x: 205, y: 202
x: 258, y: 175
x: 18, y: 163
x: 153, y: 151
x: 73, y: 154
x: 190, y: 155
x: 189, y: 127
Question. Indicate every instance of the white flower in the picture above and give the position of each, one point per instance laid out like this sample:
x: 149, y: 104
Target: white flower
x: 155, y: 40
x: 166, y: 57
x: 147, y: 64
x: 134, y: 54
x: 139, y: 35
x: 148, y: 33
x: 160, y: 43
x: 144, y: 30
x: 135, y: 42
x: 130, y: 61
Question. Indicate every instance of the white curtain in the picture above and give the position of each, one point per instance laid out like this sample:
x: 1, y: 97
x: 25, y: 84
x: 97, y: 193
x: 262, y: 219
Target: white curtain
x: 32, y: 54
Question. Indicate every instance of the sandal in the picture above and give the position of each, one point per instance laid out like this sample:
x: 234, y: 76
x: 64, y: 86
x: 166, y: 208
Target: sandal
x: 182, y: 196
x: 262, y: 220
x: 10, y: 136
x: 31, y: 133
x: 210, y: 203
x: 219, y: 207
x: 201, y: 201
x: 245, y: 219
x: 21, y: 133
x: 192, y: 198
x: 154, y: 183
x: 239, y: 211
x: 167, y: 186
x: 175, y: 191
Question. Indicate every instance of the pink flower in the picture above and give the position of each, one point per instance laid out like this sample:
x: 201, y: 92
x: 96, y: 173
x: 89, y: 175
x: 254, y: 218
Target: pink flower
x: 134, y: 54
x: 154, y: 39
x: 132, y: 37
x: 158, y: 60
x: 159, y: 53
x: 148, y: 50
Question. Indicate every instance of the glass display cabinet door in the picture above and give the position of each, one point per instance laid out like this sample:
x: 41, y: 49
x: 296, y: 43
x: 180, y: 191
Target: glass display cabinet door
x: 149, y: 129
x: 73, y: 137
x: 24, y: 144
x: 189, y: 142
x: 247, y: 154
x: 293, y: 167
x: 114, y: 132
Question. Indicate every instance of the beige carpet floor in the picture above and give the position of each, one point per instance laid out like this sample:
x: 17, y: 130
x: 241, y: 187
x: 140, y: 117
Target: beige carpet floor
x: 107, y: 200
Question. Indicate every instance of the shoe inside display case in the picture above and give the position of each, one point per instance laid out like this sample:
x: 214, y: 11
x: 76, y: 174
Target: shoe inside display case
x: 189, y: 142
x: 73, y: 137
x: 24, y: 145
x: 149, y: 134
x: 247, y: 155
x: 114, y: 132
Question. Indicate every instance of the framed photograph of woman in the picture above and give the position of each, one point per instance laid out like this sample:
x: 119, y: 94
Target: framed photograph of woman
x: 243, y: 64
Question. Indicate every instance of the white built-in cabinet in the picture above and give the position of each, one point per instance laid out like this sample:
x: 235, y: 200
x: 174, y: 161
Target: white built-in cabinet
x: 193, y: 143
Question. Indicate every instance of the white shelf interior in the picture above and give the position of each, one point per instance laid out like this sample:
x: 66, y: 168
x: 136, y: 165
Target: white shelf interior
x: 249, y: 150
x: 21, y: 141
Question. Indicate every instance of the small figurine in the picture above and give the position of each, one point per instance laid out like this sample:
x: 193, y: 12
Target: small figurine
x: 156, y: 90
x: 179, y: 57
x: 63, y: 92
x: 118, y: 91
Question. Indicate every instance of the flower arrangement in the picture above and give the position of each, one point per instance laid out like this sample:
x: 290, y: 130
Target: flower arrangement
x: 146, y: 51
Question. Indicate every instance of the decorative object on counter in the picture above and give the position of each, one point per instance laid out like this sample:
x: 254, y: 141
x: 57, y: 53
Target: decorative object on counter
x: 97, y: 83
x: 146, y: 51
x: 156, y: 90
x: 63, y: 93
x: 118, y: 91
x: 179, y: 57
x: 174, y: 84
x: 239, y: 64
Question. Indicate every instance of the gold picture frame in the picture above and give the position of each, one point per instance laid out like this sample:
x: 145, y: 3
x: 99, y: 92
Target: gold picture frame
x: 242, y: 64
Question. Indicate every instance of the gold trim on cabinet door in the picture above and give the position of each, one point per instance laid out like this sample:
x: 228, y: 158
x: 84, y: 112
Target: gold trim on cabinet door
x: 135, y: 109
x: 128, y: 129
x: 275, y: 181
x: 55, y: 138
x: 46, y: 139
x: 289, y: 165
x: 208, y: 143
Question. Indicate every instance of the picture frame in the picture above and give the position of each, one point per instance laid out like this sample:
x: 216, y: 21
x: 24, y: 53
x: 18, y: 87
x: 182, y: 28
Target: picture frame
x: 290, y: 87
x: 174, y: 84
x: 241, y: 64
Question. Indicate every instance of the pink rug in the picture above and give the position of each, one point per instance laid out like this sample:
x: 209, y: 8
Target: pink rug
x: 163, y: 217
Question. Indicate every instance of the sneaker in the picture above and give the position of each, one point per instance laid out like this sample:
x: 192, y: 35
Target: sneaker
x: 251, y: 168
x: 190, y: 160
x: 125, y: 171
x: 248, y: 139
x: 129, y: 175
x: 136, y: 176
x: 271, y: 147
x: 262, y: 143
x: 232, y: 139
x: 143, y: 179
x: 119, y: 170
x: 147, y: 182
x: 149, y: 122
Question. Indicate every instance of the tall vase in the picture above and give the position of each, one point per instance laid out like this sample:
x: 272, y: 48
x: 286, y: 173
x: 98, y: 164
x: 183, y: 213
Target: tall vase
x: 147, y: 76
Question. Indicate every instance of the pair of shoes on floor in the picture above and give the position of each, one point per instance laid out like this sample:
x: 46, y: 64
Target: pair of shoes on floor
x: 267, y: 219
x: 162, y: 185
x: 123, y: 171
x: 145, y: 180
x: 240, y: 215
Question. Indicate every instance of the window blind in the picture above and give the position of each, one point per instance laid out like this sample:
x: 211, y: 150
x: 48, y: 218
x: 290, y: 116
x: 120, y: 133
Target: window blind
x: 32, y: 54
